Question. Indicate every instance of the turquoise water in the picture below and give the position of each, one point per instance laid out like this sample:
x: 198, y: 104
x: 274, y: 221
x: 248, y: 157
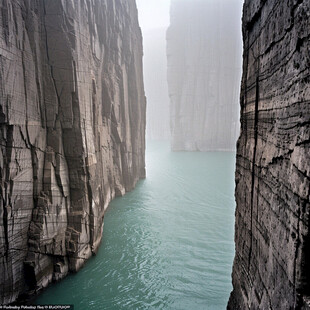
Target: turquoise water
x: 166, y: 245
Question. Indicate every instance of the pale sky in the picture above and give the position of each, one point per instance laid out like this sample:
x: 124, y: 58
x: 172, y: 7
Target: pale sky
x: 153, y: 14
x: 156, y: 14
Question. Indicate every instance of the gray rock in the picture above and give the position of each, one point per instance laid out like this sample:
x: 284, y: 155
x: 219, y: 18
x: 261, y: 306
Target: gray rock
x: 72, y: 125
x: 271, y: 267
x: 204, y: 69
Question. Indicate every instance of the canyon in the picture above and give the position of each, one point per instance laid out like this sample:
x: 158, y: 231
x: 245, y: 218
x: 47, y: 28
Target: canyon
x: 271, y: 266
x: 72, y: 137
x: 72, y: 126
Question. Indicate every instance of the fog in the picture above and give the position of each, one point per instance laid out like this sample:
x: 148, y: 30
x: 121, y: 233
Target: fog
x: 153, y: 14
x: 154, y: 20
x: 203, y: 49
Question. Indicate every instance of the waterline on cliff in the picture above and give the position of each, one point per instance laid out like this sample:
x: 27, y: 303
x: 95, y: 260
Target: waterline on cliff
x: 166, y: 245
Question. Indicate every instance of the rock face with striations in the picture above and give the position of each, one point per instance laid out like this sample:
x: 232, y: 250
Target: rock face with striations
x: 204, y: 69
x: 271, y: 268
x: 72, y: 124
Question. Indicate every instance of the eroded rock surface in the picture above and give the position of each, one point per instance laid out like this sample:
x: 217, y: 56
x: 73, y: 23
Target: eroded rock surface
x: 72, y: 124
x: 204, y: 70
x: 271, y: 267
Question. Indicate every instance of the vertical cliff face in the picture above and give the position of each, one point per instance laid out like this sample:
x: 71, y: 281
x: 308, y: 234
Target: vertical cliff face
x: 204, y: 65
x: 72, y: 123
x: 271, y: 267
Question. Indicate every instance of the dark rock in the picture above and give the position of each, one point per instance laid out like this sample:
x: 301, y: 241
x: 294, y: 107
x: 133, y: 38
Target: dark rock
x: 72, y: 124
x: 271, y: 266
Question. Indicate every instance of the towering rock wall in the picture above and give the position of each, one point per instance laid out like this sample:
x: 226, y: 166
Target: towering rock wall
x: 72, y: 123
x: 271, y: 268
x: 204, y: 68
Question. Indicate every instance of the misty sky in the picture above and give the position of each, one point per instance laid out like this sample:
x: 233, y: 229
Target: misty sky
x: 153, y: 14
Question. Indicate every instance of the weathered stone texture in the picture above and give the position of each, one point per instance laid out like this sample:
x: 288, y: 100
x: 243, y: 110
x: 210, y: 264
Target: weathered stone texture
x: 72, y: 123
x: 204, y: 70
x: 271, y: 266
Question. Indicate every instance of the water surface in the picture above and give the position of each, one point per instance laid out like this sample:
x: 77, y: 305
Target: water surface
x: 166, y: 245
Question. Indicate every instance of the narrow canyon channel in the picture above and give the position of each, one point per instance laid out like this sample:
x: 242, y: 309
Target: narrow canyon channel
x: 168, y: 244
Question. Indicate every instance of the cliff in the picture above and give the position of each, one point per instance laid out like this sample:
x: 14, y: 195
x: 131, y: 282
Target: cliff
x: 204, y: 69
x: 72, y: 123
x: 271, y: 266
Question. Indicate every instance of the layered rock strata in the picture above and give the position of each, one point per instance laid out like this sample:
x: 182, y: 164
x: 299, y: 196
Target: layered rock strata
x: 204, y: 69
x: 271, y: 268
x: 72, y: 123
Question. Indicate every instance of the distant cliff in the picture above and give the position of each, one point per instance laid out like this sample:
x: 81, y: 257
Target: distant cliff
x: 72, y: 123
x: 204, y: 70
x: 272, y: 263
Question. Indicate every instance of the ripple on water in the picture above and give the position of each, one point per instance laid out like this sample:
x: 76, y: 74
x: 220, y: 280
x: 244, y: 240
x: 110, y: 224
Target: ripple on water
x: 166, y: 245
